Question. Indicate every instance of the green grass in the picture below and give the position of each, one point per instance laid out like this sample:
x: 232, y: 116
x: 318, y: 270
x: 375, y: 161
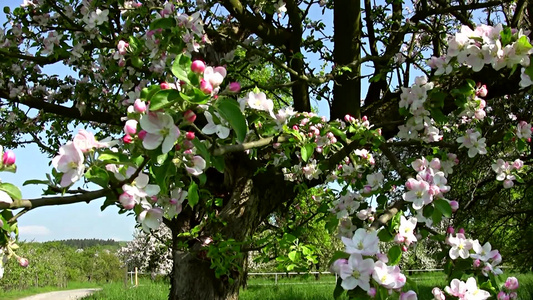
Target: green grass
x: 263, y: 288
x: 14, y: 294
x: 145, y: 290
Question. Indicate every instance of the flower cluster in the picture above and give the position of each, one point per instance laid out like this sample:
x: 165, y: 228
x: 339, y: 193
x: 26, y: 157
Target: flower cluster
x: 485, y: 260
x: 366, y: 263
x: 506, y: 170
x: 483, y: 46
x: 420, y: 124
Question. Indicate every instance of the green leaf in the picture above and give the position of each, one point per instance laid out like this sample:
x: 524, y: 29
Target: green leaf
x: 394, y: 255
x: 219, y: 163
x: 444, y: 207
x: 117, y: 157
x: 179, y: 68
x: 97, y: 175
x: 109, y: 200
x: 164, y: 98
x: 219, y: 202
x: 134, y: 43
x: 163, y: 23
x: 293, y: 255
x: 11, y: 190
x: 506, y: 36
x: 439, y: 117
x: 307, y: 151
x: 35, y: 181
x: 229, y: 109
x: 385, y: 236
x: 7, y: 10
x: 193, y: 194
x: 337, y: 293
x: 161, y: 158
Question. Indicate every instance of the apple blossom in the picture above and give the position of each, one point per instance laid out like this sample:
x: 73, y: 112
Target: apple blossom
x: 363, y: 242
x: 409, y: 295
x: 234, y: 87
x: 160, y: 129
x: 23, y: 262
x: 406, y: 229
x: 8, y: 158
x: 388, y: 276
x: 85, y: 140
x: 511, y: 283
x: 214, y: 76
x: 356, y: 272
x: 70, y: 162
x: 150, y: 219
x: 438, y: 294
x: 5, y: 198
x: 221, y: 130
x: 195, y: 166
x: 460, y: 246
x: 523, y: 130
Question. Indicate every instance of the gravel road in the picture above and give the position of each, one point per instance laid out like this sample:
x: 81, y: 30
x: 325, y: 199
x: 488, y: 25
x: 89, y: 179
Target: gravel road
x: 63, y: 295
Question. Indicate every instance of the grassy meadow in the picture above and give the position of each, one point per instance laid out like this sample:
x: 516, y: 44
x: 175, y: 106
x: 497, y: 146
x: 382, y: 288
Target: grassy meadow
x: 295, y: 288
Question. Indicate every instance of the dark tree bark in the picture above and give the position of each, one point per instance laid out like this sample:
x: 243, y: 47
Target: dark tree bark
x: 347, y: 50
x: 250, y: 199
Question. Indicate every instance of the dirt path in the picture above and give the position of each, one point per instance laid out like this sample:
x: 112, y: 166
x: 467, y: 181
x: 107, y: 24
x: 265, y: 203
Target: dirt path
x: 63, y: 295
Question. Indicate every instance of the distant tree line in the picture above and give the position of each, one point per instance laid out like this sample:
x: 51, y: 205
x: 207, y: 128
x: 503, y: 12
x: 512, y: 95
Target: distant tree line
x: 57, y: 263
x: 87, y: 243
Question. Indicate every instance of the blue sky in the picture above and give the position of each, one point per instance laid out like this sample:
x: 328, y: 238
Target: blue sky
x: 76, y: 221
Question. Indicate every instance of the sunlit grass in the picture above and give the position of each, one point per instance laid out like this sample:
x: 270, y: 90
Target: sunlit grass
x: 294, y: 288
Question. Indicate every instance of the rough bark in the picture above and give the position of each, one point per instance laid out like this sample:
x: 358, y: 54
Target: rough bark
x: 251, y: 198
x: 347, y: 50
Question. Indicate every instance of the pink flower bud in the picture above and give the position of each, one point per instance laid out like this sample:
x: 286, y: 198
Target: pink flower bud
x: 404, y: 248
x: 319, y: 149
x: 188, y: 144
x: 482, y: 91
x: 364, y: 118
x: 367, y: 189
x: 409, y: 295
x: 295, y: 127
x: 165, y: 86
x: 513, y: 295
x: 349, y: 118
x: 518, y: 164
x: 399, y: 239
x: 461, y: 230
x: 502, y: 296
x: 189, y: 116
x: 142, y: 134
x: 198, y: 66
x: 206, y: 87
x: 455, y: 205
x: 435, y: 164
x: 126, y: 200
x: 189, y: 135
x: 508, y: 183
x: 139, y: 106
x: 130, y: 128
x: 372, y: 292
x: 450, y: 230
x: 276, y: 145
x: 127, y: 139
x: 511, y: 283
x: 438, y: 294
x: 23, y: 262
x: 9, y: 158
x: 476, y: 263
x: 187, y: 152
x: 234, y: 87
x: 154, y: 198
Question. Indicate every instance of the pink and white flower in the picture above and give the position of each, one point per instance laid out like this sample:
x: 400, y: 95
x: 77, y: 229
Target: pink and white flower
x: 195, y: 166
x: 363, y: 242
x: 160, y: 130
x: 150, y: 219
x: 70, y: 162
x: 356, y: 272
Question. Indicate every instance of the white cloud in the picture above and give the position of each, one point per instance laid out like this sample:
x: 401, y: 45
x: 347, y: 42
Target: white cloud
x: 34, y: 230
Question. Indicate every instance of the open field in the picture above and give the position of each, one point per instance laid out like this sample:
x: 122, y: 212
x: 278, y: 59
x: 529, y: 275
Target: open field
x: 295, y: 288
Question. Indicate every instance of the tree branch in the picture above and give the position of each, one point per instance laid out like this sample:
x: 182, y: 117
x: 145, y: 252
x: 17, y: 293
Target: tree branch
x: 60, y: 200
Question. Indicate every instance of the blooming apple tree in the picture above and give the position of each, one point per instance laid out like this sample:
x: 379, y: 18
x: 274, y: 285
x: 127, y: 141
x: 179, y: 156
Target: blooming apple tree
x: 212, y: 158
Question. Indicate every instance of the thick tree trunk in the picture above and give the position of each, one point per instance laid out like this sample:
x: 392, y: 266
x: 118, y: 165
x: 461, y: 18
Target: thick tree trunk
x: 193, y: 279
x: 249, y: 199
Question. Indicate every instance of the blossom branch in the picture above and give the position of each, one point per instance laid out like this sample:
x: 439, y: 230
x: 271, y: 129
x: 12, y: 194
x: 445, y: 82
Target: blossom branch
x: 30, y: 204
x: 249, y: 145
